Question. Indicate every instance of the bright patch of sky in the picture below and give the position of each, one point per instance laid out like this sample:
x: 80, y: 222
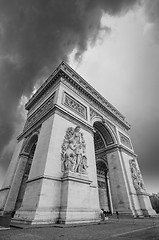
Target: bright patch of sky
x: 123, y: 67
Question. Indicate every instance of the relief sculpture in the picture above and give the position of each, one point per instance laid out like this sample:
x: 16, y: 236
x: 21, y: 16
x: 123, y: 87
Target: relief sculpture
x: 136, y: 176
x: 73, y: 151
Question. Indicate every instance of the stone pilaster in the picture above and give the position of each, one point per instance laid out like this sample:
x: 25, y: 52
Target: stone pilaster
x: 75, y: 200
x: 118, y: 185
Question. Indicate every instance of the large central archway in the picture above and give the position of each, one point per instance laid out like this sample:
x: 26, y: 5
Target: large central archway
x: 103, y: 140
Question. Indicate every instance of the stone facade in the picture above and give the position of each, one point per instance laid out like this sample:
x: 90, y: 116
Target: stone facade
x: 73, y: 157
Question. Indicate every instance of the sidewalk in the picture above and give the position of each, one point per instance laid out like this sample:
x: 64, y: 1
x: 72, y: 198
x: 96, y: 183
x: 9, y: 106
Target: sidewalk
x: 118, y: 229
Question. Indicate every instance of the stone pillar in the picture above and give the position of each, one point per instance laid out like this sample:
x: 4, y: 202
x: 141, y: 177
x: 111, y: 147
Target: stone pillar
x: 79, y: 192
x: 145, y: 204
x: 75, y: 199
x: 109, y: 194
x: 39, y: 201
x: 51, y: 196
x: 8, y: 182
x: 143, y: 196
x: 118, y: 185
x: 103, y: 193
x: 140, y: 202
x: 16, y: 183
x: 135, y: 206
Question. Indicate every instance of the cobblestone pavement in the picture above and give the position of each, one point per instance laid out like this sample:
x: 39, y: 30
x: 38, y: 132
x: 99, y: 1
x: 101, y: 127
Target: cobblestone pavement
x: 143, y: 229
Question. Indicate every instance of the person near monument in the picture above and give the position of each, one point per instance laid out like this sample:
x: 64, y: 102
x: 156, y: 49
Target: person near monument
x: 102, y: 215
x: 117, y: 214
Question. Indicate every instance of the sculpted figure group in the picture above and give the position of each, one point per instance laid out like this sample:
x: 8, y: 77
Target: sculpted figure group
x: 136, y: 176
x: 73, y: 151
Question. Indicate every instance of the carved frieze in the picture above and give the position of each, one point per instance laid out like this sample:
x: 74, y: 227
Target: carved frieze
x: 39, y: 113
x: 75, y: 82
x: 73, y: 153
x: 92, y: 91
x: 136, y: 176
x: 125, y: 140
x: 74, y: 105
x: 100, y: 107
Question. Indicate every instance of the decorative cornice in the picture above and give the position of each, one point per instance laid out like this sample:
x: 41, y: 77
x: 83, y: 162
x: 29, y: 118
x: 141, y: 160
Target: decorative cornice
x: 107, y: 149
x: 45, y: 87
x: 60, y: 111
x: 76, y: 177
x: 127, y: 150
x: 115, y: 147
x: 40, y: 112
x: 41, y: 177
x: 71, y: 77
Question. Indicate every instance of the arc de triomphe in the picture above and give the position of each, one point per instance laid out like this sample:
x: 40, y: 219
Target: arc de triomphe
x: 73, y: 158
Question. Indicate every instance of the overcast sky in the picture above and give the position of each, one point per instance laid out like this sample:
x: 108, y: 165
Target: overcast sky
x: 112, y: 44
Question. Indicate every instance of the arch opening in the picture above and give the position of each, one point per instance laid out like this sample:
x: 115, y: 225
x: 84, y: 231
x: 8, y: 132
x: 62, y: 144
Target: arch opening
x: 102, y: 136
x: 26, y: 162
x: 102, y: 140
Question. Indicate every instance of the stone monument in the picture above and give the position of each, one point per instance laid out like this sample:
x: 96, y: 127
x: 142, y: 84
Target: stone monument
x: 73, y: 158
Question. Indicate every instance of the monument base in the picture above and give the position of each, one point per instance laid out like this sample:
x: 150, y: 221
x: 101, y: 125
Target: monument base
x: 75, y: 200
x: 146, y: 205
x: 40, y: 216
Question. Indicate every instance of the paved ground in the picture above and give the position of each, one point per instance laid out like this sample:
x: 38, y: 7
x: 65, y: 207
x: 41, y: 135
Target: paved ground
x: 126, y: 229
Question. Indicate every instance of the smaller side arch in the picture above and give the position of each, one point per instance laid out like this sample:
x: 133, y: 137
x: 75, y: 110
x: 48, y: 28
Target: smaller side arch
x: 103, y: 185
x: 96, y: 117
x: 25, y: 163
x: 32, y: 140
x: 102, y: 165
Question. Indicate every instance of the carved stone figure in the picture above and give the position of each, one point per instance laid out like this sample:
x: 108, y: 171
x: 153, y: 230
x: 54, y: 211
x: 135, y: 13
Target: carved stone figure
x: 73, y: 151
x: 136, y: 176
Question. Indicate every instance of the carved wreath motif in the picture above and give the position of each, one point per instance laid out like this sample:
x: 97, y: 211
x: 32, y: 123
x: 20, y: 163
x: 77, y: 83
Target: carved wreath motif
x: 73, y: 154
x: 136, y: 176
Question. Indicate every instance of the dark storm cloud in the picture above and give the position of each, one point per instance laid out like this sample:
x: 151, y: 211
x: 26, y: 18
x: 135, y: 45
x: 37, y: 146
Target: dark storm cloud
x: 152, y: 10
x: 35, y: 36
x: 152, y: 13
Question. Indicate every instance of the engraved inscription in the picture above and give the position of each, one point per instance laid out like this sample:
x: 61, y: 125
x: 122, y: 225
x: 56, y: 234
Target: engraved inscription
x: 75, y: 105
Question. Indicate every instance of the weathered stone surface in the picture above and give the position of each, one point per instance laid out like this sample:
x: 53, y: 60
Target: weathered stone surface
x: 73, y: 157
